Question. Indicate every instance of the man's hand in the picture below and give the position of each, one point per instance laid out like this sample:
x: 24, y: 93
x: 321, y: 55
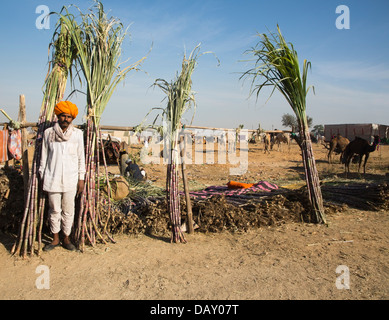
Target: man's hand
x: 80, y: 187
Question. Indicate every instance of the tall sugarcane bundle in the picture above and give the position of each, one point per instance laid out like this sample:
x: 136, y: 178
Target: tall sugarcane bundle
x: 179, y: 99
x: 277, y: 63
x: 98, y: 40
x: 63, y: 53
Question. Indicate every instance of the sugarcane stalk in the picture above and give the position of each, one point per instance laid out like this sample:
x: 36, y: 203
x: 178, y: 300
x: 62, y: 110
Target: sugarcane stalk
x: 17, y: 245
x: 83, y: 227
x: 26, y: 234
x: 33, y: 230
x: 311, y: 175
x: 173, y: 197
x: 107, y: 181
x: 42, y: 206
x: 97, y: 184
x: 186, y: 190
x: 88, y: 213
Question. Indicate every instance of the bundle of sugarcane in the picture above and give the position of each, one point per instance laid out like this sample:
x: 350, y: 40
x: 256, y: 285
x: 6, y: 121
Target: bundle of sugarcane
x: 366, y: 196
x: 179, y: 98
x: 277, y: 64
x: 63, y: 53
x: 218, y: 214
x: 98, y: 40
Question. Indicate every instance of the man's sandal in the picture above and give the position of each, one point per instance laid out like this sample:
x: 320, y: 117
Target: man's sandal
x: 49, y: 247
x: 69, y: 246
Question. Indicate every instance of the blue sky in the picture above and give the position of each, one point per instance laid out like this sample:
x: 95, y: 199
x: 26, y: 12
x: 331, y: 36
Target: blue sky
x: 350, y: 67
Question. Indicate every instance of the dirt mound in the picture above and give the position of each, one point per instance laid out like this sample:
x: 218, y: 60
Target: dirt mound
x: 216, y: 214
x: 233, y: 213
x: 240, y: 213
x: 11, y: 199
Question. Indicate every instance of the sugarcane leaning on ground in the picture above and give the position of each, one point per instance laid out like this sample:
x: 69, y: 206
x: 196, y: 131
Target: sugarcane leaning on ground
x: 63, y: 53
x: 277, y: 64
x: 94, y: 45
x: 98, y: 40
x: 180, y: 98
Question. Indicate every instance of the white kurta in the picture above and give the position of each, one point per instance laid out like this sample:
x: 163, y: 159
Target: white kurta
x: 62, y: 163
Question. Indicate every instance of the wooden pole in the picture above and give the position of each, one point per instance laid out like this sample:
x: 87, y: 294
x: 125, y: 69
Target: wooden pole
x: 25, y: 164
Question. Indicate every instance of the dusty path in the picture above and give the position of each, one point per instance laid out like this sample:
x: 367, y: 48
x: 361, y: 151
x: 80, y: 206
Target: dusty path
x: 292, y: 261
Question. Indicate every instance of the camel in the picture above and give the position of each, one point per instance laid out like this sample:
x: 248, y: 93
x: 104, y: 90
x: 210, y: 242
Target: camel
x: 362, y: 148
x: 337, y: 144
x: 279, y: 138
x: 266, y: 141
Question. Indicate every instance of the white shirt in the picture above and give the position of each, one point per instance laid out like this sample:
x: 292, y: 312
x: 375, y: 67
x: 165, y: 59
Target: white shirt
x: 62, y: 163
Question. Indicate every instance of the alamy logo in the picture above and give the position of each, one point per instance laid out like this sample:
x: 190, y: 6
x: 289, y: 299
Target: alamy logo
x: 220, y: 147
x: 343, y: 20
x: 343, y: 281
x: 43, y: 20
x: 43, y: 280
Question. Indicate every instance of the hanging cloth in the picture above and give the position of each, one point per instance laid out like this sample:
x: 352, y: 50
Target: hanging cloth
x: 15, y: 144
x: 3, y: 145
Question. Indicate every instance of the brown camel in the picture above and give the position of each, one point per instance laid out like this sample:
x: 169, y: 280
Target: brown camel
x: 362, y: 148
x: 337, y: 144
x: 266, y: 141
x: 281, y: 137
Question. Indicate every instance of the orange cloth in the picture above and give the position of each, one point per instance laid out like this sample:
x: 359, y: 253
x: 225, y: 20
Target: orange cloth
x: 66, y: 107
x: 3, y: 145
x: 237, y: 185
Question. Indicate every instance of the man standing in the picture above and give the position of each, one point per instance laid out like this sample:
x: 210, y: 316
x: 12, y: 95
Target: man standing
x: 62, y: 169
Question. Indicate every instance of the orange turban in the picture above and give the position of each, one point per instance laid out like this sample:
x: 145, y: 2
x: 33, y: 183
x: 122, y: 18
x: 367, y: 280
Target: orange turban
x: 66, y: 107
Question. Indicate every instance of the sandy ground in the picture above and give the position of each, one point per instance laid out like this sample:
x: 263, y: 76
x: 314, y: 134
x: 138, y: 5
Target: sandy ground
x: 346, y: 259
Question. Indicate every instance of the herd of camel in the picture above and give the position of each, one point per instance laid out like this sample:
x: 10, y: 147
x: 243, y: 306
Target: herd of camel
x: 357, y: 149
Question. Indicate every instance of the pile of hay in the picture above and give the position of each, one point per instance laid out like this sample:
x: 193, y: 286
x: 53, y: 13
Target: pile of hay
x: 364, y: 196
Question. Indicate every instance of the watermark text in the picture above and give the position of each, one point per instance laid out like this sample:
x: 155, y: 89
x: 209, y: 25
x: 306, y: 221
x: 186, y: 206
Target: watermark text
x: 43, y: 280
x: 43, y: 20
x: 343, y: 280
x: 343, y: 20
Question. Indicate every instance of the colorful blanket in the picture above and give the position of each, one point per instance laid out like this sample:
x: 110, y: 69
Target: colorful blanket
x: 15, y: 144
x: 261, y: 186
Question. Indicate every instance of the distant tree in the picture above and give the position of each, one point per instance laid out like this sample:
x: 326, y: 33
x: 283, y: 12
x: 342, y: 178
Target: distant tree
x: 289, y: 120
x: 318, y: 129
